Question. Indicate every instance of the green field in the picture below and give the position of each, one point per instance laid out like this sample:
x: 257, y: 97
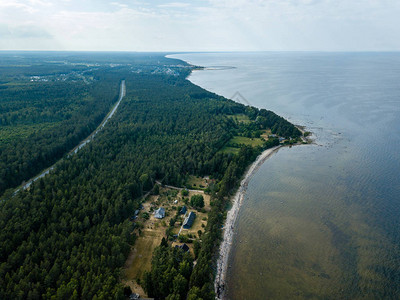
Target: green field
x: 229, y: 150
x: 233, y: 145
x: 196, y: 182
x: 246, y: 141
x: 241, y: 118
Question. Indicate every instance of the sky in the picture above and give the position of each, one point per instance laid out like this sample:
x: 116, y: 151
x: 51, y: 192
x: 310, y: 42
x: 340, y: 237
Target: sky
x: 200, y: 25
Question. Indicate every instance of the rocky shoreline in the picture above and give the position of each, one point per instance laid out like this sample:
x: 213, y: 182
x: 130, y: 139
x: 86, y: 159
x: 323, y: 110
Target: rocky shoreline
x: 225, y: 247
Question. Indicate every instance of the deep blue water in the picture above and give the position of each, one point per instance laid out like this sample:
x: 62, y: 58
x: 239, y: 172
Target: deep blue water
x: 320, y: 221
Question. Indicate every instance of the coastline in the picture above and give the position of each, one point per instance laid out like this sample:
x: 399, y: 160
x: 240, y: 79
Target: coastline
x: 237, y: 199
x: 232, y: 214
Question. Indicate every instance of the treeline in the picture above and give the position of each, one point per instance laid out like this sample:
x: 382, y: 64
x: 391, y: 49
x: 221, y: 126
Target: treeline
x: 265, y: 119
x: 278, y: 125
x: 68, y: 235
x: 202, y: 278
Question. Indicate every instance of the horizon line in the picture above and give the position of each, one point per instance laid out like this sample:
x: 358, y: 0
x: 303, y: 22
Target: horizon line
x: 208, y: 51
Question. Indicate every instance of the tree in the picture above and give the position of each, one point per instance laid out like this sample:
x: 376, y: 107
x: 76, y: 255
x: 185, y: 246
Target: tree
x: 127, y: 291
x: 194, y: 294
x: 173, y: 297
x: 180, y: 284
x: 170, y: 271
x: 145, y: 181
x: 156, y: 189
x: 197, y: 201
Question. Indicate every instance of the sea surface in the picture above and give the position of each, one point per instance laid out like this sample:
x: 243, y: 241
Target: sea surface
x: 319, y: 221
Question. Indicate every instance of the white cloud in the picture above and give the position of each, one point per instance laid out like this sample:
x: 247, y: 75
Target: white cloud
x: 205, y: 24
x: 40, y: 2
x: 120, y: 5
x: 12, y: 5
x: 175, y: 5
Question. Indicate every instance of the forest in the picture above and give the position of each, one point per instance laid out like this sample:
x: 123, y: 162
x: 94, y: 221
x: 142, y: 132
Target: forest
x: 42, y: 118
x: 68, y: 235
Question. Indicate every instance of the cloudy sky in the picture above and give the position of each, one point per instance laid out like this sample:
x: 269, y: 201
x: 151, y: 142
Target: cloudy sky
x: 200, y: 25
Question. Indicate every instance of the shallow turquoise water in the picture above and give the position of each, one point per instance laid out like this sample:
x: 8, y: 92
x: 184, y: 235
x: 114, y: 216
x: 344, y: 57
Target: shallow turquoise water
x: 319, y: 221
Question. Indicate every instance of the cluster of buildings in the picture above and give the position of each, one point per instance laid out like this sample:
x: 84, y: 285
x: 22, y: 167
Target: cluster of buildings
x: 160, y: 214
x: 281, y: 139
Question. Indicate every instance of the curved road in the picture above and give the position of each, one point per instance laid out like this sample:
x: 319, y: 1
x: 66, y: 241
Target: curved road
x: 86, y: 141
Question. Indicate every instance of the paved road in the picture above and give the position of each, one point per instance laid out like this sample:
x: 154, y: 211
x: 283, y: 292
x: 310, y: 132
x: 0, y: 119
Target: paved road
x: 86, y: 141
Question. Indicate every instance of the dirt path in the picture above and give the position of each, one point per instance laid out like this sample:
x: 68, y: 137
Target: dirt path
x: 177, y: 188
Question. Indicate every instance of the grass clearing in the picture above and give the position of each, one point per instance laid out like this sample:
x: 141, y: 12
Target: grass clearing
x: 240, y: 118
x: 196, y: 224
x: 141, y: 254
x: 196, y: 182
x: 233, y: 145
x: 266, y: 134
x: 229, y: 150
x: 254, y: 142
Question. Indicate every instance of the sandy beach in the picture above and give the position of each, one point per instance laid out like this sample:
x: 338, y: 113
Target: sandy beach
x: 222, y: 262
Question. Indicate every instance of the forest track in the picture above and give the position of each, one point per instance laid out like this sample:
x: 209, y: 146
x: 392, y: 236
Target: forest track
x: 83, y: 143
x: 177, y: 188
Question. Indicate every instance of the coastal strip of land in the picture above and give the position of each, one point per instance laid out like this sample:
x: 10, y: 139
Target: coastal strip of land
x: 237, y: 199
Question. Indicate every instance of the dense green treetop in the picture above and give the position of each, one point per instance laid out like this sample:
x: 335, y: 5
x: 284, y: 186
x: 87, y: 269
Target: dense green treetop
x: 197, y: 201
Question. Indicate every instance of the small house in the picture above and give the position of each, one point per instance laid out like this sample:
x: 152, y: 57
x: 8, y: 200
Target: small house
x: 159, y: 213
x: 183, y: 210
x: 134, y: 296
x: 187, y: 224
x: 184, y: 247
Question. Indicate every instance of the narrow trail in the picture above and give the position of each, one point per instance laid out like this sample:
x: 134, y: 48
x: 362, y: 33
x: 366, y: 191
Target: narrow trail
x: 177, y: 188
x: 83, y: 143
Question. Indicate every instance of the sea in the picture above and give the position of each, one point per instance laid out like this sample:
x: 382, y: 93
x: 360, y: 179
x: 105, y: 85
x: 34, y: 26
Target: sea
x: 319, y: 221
